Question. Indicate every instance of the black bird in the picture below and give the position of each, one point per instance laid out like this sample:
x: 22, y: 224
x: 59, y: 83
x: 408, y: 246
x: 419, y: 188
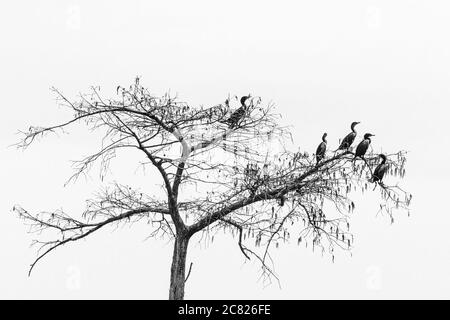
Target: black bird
x: 348, y: 140
x: 380, y: 170
x: 239, y: 113
x: 362, y: 147
x: 320, y: 152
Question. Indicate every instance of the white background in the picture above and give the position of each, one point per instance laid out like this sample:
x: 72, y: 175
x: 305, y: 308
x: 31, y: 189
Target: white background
x: 323, y: 63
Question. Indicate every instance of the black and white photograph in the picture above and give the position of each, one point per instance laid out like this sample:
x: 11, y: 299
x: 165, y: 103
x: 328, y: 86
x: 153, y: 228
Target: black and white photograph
x: 224, y: 151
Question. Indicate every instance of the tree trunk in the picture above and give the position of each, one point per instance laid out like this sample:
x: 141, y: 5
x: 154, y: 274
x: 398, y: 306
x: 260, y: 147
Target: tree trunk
x: 177, y: 272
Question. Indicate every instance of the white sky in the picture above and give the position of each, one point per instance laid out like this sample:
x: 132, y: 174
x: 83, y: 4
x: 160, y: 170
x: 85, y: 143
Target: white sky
x: 323, y: 63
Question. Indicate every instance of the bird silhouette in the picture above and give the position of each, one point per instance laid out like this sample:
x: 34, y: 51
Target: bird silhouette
x: 348, y: 139
x: 322, y: 148
x: 380, y: 170
x: 237, y: 115
x: 362, y: 147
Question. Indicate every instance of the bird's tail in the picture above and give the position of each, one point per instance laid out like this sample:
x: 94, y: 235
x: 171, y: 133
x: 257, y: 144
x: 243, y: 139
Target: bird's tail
x: 374, y: 187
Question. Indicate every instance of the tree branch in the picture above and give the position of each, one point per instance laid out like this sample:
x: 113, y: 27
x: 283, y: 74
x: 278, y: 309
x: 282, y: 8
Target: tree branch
x: 234, y: 224
x: 76, y: 226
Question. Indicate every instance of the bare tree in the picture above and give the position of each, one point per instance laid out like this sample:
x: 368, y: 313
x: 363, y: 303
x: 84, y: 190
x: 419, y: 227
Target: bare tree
x: 219, y: 171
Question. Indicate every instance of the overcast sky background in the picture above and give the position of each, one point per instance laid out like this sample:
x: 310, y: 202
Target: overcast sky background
x: 323, y: 63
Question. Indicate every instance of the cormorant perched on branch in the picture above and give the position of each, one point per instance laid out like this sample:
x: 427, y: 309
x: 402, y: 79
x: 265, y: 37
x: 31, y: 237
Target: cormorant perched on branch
x: 320, y: 152
x: 380, y: 170
x: 362, y: 147
x: 239, y: 113
x: 348, y: 140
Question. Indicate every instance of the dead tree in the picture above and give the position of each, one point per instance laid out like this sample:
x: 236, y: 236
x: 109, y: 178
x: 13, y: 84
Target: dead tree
x: 245, y: 178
